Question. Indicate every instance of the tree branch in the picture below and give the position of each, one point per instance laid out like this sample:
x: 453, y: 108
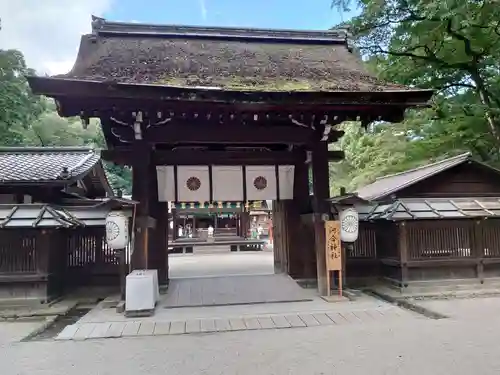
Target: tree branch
x: 429, y: 57
x: 455, y: 84
x: 467, y: 43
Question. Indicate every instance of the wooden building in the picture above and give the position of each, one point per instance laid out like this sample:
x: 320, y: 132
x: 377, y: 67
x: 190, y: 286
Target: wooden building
x: 182, y: 105
x: 434, y: 225
x: 229, y: 219
x: 54, y: 202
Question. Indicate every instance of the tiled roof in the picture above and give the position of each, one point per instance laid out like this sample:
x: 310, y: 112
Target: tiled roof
x: 384, y: 186
x: 44, y: 164
x: 435, y: 208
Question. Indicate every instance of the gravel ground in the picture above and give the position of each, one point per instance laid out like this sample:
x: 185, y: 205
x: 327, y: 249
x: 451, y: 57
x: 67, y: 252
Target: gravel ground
x: 420, y: 346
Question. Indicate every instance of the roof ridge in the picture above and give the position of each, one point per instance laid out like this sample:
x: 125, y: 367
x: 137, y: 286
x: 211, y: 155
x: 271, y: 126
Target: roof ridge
x: 101, y: 26
x: 463, y: 155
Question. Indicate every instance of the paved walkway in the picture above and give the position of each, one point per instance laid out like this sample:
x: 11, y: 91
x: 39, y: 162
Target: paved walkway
x: 231, y: 263
x: 93, y: 330
x: 233, y: 290
x: 231, y: 304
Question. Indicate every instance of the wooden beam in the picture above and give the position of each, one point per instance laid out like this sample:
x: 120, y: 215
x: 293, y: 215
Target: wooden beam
x: 126, y: 156
x: 174, y: 134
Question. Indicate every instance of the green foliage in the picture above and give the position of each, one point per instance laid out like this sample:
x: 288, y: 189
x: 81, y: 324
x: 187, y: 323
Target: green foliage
x: 29, y: 120
x: 452, y: 46
x: 18, y: 106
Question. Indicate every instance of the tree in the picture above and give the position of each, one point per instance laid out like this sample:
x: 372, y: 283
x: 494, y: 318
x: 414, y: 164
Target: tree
x: 452, y: 46
x: 18, y: 106
x: 51, y: 130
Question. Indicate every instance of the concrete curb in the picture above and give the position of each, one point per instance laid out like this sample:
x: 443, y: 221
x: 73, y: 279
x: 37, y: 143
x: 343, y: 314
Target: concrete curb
x: 33, y: 313
x: 44, y: 326
x: 404, y: 303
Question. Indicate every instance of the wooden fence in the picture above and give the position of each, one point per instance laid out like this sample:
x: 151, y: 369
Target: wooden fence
x: 18, y: 251
x: 44, y: 263
x: 427, y: 250
x: 89, y: 260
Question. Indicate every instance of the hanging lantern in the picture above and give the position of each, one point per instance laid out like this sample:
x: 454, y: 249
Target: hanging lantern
x: 349, y: 225
x: 117, y: 230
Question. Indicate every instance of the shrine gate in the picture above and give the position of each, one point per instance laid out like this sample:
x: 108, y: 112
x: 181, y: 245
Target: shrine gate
x: 220, y: 114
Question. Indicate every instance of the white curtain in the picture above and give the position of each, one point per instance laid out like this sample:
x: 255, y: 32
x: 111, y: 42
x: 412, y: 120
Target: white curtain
x: 193, y: 184
x: 261, y: 182
x: 166, y: 186
x: 227, y: 183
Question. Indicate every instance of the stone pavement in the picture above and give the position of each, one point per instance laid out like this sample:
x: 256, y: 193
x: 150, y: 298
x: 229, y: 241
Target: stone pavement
x: 233, y: 290
x: 93, y: 330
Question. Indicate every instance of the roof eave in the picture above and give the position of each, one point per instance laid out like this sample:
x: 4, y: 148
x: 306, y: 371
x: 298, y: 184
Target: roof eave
x: 67, y: 87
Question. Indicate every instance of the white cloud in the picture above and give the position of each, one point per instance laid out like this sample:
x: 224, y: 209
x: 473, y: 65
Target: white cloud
x: 47, y: 32
x: 203, y: 9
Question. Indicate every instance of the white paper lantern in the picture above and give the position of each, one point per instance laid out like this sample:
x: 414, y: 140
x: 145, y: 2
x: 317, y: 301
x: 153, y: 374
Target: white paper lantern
x: 117, y: 230
x: 349, y: 225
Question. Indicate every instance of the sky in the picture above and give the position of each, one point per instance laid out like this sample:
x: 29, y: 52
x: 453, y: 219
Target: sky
x: 48, y: 31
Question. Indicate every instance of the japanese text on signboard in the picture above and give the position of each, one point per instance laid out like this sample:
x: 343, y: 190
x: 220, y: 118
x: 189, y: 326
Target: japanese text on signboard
x: 333, y: 246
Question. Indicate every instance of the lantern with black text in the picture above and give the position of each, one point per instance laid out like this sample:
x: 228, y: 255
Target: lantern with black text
x: 117, y: 230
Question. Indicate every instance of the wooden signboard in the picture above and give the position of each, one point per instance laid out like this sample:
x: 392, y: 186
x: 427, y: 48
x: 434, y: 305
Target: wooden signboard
x: 333, y: 252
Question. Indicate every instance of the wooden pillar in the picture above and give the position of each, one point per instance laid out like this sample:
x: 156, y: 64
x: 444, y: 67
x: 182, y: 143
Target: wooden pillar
x: 478, y: 247
x: 193, y: 227
x: 403, y: 252
x: 321, y: 192
x: 158, y: 236
x: 245, y: 224
x: 175, y: 224
x: 298, y: 251
x: 140, y: 193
